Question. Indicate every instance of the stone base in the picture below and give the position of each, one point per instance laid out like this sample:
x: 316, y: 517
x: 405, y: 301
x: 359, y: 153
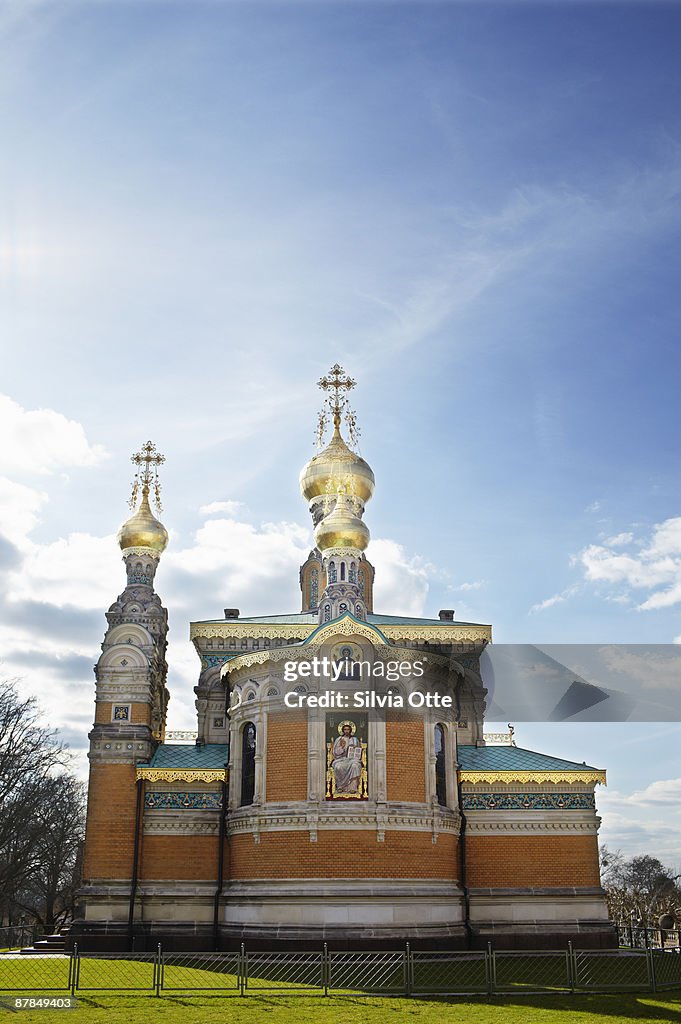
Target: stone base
x: 541, y: 918
x: 345, y: 913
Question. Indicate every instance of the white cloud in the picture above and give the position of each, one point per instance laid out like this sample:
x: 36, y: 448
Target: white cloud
x: 655, y: 567
x: 19, y: 509
x: 474, y: 585
x: 550, y: 602
x: 42, y: 440
x: 79, y: 570
x: 645, y: 821
x: 229, y: 508
x: 619, y: 540
x: 401, y: 585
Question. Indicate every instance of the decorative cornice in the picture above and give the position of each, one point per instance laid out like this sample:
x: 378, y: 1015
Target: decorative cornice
x: 161, y: 828
x: 555, y: 775
x: 447, y: 633
x: 493, y: 827
x: 394, y: 821
x: 232, y: 627
x: 151, y: 552
x: 182, y: 774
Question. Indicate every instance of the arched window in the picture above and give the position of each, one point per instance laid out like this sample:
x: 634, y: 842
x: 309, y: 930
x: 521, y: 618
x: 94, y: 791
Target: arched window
x: 247, y: 764
x: 332, y: 572
x: 327, y: 613
x: 342, y: 572
x: 440, y: 766
x: 353, y: 572
x: 314, y: 589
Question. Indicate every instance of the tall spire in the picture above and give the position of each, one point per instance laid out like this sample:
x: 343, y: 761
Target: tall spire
x: 143, y: 530
x: 337, y: 483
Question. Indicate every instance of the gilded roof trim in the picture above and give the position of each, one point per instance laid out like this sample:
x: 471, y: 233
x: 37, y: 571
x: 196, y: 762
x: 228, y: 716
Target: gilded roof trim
x: 182, y: 774
x: 447, y: 633
x: 551, y: 775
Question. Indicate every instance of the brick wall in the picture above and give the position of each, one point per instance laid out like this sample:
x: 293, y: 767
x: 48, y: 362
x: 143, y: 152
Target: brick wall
x: 405, y: 765
x: 287, y: 756
x: 349, y: 854
x: 110, y: 822
x: 519, y: 861
x: 185, y: 858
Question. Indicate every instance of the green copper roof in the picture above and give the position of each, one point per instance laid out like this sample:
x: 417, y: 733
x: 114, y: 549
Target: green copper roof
x: 409, y: 620
x: 189, y: 755
x: 503, y: 759
x: 312, y: 619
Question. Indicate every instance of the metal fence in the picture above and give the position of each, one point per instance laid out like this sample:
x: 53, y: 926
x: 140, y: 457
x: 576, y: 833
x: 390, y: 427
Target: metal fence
x: 402, y: 972
x: 637, y: 937
x: 15, y: 936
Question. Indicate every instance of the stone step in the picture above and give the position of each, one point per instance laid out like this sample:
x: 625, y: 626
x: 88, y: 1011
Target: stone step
x: 47, y: 944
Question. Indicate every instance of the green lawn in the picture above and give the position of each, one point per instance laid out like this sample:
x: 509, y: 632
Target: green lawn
x: 33, y: 975
x: 202, y: 1009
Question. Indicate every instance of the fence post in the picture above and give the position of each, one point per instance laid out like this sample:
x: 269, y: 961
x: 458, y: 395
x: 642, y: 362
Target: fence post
x: 243, y: 970
x: 652, y: 981
x: 74, y: 969
x: 325, y: 968
x: 570, y: 966
x: 159, y: 969
x: 491, y: 970
x: 408, y: 981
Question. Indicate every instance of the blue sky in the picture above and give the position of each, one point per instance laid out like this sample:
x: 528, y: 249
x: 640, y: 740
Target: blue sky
x: 474, y: 207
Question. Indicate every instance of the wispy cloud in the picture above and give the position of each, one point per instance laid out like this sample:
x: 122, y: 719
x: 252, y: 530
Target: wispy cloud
x: 652, y: 564
x: 555, y: 599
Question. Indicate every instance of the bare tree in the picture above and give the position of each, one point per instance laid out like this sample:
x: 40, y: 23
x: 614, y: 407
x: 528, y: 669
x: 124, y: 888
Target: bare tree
x: 47, y: 893
x: 639, y: 889
x: 30, y: 755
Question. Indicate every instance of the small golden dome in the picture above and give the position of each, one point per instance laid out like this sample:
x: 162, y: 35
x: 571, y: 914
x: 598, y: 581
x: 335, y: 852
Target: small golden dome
x: 337, y: 464
x: 342, y: 528
x: 143, y: 530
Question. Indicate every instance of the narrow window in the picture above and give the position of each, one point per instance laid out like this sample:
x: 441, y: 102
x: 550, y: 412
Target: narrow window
x: 440, y: 766
x: 248, y: 764
x: 342, y: 571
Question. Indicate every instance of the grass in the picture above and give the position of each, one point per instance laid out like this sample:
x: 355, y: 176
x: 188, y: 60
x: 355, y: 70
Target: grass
x: 214, y: 1004
x: 203, y: 1009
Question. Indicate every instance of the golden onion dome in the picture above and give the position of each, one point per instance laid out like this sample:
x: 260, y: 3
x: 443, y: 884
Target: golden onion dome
x: 143, y: 530
x: 337, y: 464
x: 342, y: 528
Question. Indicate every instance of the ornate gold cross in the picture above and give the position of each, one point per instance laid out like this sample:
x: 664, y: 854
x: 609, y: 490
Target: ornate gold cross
x: 147, y: 460
x: 336, y: 383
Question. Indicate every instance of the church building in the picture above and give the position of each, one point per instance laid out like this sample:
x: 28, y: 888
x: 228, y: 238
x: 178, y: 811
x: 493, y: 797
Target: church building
x: 339, y: 787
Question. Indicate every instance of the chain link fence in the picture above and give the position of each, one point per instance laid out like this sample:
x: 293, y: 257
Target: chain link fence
x: 391, y: 972
x: 15, y: 936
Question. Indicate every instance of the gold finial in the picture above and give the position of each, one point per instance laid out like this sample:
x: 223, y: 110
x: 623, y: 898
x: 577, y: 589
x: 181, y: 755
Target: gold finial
x: 336, y: 404
x: 147, y: 478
